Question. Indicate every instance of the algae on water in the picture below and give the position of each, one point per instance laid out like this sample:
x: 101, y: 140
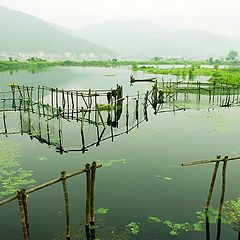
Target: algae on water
x: 12, y: 176
x: 108, y: 163
x: 102, y: 211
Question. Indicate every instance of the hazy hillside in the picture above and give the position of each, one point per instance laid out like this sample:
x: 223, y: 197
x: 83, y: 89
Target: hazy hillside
x: 24, y: 33
x: 145, y: 37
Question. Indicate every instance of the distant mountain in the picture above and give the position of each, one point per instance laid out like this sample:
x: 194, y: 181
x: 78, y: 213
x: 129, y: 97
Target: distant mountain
x: 24, y: 33
x: 146, y: 37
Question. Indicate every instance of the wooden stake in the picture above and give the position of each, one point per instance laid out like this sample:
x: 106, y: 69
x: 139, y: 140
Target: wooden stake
x: 4, y: 117
x: 63, y: 102
x: 66, y: 203
x: 111, y: 127
x: 56, y: 98
x: 21, y: 195
x: 48, y: 127
x: 209, y: 197
x: 77, y: 104
x: 60, y: 130
x: 21, y: 120
x: 29, y: 123
x: 68, y: 107
x: 145, y: 106
x: 92, y: 192
x: 223, y: 188
x: 127, y: 115
x: 136, y: 111
x: 82, y: 133
x: 88, y: 185
x: 52, y: 99
x: 13, y: 95
x: 212, y: 184
x: 221, y: 199
x: 72, y: 104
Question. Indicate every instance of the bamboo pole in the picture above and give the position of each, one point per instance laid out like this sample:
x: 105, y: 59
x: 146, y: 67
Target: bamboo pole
x: 209, y: 197
x: 56, y: 98
x: 92, y: 192
x: 145, y: 106
x: 24, y: 99
x: 4, y: 117
x: 66, y: 204
x: 221, y: 199
x: 13, y: 95
x: 29, y: 122
x: 72, y: 104
x: 48, y: 126
x: 212, y: 184
x: 21, y: 195
x: 39, y: 122
x: 88, y: 186
x: 52, y: 99
x: 209, y: 161
x: 137, y: 108
x: 111, y: 127
x: 60, y: 130
x: 82, y: 133
x: 68, y: 107
x: 127, y: 115
x: 63, y: 102
x: 97, y: 121
x: 38, y: 94
x: 77, y: 104
x: 89, y: 104
x: 223, y: 188
x: 21, y: 120
x: 101, y: 118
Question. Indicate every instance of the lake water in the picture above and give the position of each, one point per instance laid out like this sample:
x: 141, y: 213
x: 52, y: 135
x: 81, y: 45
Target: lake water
x: 142, y: 175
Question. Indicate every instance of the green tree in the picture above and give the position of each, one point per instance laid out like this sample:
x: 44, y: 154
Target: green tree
x: 232, y: 55
x: 210, y: 60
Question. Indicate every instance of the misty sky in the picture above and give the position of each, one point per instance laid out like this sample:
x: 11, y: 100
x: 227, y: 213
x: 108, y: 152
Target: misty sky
x: 219, y: 16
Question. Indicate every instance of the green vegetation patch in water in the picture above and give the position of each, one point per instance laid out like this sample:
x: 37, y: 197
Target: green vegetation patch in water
x: 133, y: 227
x: 154, y: 219
x: 102, y: 211
x: 12, y: 176
x: 109, y: 163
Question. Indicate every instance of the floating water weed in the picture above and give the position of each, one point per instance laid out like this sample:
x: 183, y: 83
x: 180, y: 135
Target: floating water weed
x: 133, y: 227
x: 108, y: 163
x: 102, y: 211
x: 154, y: 219
x: 12, y: 176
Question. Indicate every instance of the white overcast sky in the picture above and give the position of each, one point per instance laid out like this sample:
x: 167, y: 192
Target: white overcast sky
x: 219, y: 16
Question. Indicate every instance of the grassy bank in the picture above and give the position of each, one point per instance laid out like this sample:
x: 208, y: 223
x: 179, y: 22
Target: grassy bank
x: 34, y: 63
x: 229, y: 75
